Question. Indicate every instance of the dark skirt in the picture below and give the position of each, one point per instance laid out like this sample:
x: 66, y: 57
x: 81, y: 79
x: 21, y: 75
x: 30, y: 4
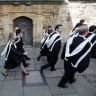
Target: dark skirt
x: 14, y: 59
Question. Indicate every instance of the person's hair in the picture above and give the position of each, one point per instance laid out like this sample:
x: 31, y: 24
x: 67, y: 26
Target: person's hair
x: 18, y: 31
x: 83, y: 29
x: 57, y: 26
x: 10, y: 36
x: 92, y: 28
x: 49, y: 26
x: 82, y: 21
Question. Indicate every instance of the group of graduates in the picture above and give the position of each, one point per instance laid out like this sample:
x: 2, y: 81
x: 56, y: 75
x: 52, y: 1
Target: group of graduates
x: 14, y: 52
x: 77, y: 51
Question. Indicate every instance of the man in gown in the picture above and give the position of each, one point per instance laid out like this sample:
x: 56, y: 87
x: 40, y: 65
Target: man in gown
x: 76, y: 56
x: 53, y: 44
x: 92, y: 30
x: 43, y: 51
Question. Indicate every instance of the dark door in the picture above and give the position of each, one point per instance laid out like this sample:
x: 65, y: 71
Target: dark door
x: 25, y: 24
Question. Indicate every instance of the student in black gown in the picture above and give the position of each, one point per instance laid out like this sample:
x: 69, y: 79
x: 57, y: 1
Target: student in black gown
x: 53, y: 45
x: 43, y: 51
x: 13, y: 58
x: 75, y: 29
x: 19, y: 43
x: 92, y: 30
x: 76, y: 56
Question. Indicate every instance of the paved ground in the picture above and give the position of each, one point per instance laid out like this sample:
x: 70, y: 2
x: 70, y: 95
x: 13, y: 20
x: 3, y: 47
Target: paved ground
x: 16, y: 84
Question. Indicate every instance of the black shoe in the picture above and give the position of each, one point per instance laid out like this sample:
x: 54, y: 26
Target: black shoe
x: 38, y: 58
x: 41, y: 70
x: 27, y: 65
x: 26, y: 73
x: 4, y: 74
x: 74, y: 80
x: 54, y: 69
x: 65, y: 86
x: 28, y: 58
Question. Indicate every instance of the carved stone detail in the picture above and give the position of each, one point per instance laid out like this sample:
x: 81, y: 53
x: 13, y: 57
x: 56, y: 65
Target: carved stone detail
x: 47, y: 21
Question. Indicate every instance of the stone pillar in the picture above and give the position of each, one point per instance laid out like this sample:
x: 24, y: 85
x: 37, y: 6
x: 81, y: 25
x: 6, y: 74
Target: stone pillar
x: 5, y: 25
x: 1, y: 37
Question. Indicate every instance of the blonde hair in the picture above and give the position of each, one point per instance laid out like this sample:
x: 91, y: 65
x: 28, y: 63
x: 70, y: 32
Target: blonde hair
x: 11, y: 34
x: 83, y: 29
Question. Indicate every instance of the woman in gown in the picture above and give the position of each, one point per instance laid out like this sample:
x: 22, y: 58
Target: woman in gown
x: 13, y: 58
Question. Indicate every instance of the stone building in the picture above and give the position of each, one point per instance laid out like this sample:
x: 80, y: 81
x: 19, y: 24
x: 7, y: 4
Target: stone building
x: 32, y: 16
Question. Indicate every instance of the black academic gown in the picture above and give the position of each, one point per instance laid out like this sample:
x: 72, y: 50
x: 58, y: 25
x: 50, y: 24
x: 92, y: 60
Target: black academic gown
x: 69, y: 69
x: 19, y: 43
x: 14, y: 58
x: 43, y: 48
x: 85, y: 61
x: 93, y: 50
x: 53, y: 51
x: 52, y: 56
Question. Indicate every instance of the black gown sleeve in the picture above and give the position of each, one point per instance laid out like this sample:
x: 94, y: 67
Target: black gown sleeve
x: 15, y: 50
x: 63, y: 52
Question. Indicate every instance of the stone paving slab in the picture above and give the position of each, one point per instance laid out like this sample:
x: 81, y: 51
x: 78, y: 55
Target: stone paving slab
x: 2, y: 77
x: 1, y: 82
x: 37, y: 91
x: 12, y: 88
x: 11, y: 73
x: 9, y: 78
x: 34, y: 77
x: 60, y: 64
x: 53, y: 82
x: 32, y: 62
x: 89, y: 71
x: 31, y: 67
x: 18, y: 76
x: 94, y: 69
x: 68, y: 95
x: 38, y: 66
x: 91, y: 78
x: 38, y: 62
x: 83, y: 87
x: 12, y: 85
x: 56, y: 73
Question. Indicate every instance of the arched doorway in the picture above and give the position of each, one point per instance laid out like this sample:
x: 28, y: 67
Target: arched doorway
x: 26, y: 25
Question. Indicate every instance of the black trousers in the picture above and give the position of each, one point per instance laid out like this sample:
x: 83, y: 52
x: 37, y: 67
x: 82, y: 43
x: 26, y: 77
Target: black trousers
x: 68, y: 75
x: 93, y: 51
x: 52, y: 60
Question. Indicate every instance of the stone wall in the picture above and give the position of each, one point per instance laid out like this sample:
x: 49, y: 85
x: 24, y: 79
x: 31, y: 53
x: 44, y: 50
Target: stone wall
x: 42, y: 15
x: 45, y: 14
x: 79, y: 10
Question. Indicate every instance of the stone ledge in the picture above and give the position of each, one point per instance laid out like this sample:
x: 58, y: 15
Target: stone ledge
x: 83, y: 1
x: 31, y: 1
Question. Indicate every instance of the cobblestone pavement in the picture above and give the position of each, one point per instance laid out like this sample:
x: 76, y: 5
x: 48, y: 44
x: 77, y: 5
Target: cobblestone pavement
x: 36, y: 84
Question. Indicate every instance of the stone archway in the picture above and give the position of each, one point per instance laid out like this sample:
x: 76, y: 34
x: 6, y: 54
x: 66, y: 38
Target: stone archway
x: 26, y: 25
